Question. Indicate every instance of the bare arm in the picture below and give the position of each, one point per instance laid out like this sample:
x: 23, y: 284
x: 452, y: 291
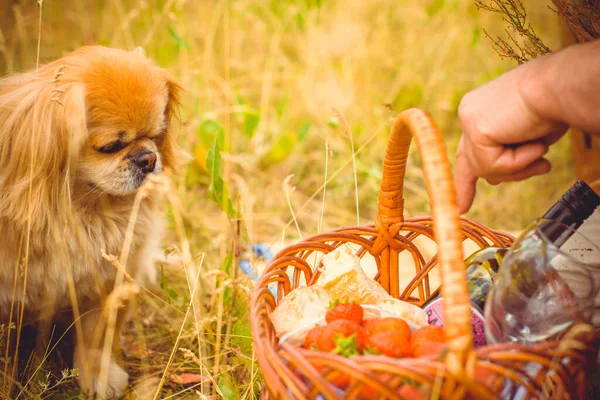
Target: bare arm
x: 509, y: 122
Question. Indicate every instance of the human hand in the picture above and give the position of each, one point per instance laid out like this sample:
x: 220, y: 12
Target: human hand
x: 504, y: 136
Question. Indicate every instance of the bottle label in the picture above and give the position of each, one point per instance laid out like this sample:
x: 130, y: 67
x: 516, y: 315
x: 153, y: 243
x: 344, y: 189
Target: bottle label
x: 435, y: 315
x: 579, y: 249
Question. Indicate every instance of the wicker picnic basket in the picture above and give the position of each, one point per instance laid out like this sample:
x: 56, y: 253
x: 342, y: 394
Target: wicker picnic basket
x: 553, y: 370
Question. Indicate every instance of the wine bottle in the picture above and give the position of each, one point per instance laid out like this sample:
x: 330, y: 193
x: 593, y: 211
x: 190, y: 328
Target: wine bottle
x: 572, y: 209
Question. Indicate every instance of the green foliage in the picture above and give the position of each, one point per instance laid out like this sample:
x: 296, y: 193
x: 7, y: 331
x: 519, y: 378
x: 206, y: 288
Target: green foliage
x: 303, y: 131
x: 333, y: 122
x: 476, y: 36
x: 281, y: 149
x: 260, y: 80
x: 217, y: 189
x: 226, y: 265
x: 251, y: 120
x: 242, y: 337
x: 210, y: 130
x: 434, y: 7
x: 228, y: 387
x: 181, y: 43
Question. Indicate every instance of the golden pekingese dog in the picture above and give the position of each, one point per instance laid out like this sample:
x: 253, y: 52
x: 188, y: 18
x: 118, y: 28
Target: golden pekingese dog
x: 78, y: 137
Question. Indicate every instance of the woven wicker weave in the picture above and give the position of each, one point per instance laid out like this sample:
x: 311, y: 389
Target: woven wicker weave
x: 550, y: 370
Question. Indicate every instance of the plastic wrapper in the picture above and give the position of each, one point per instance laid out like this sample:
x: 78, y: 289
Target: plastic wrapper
x: 300, y: 306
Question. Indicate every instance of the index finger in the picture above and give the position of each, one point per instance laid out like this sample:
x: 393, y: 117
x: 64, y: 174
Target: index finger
x: 465, y: 180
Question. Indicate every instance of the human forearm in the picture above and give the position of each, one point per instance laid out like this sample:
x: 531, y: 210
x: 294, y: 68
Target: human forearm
x: 565, y: 86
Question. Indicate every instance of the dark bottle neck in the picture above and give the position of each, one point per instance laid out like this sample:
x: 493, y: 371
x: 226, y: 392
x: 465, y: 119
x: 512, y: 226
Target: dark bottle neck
x: 572, y: 209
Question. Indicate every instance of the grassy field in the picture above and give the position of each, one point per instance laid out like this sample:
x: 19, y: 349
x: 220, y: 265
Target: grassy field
x: 288, y: 87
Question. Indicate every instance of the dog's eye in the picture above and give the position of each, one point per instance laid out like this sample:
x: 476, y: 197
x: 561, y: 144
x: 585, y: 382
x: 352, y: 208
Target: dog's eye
x: 111, y: 148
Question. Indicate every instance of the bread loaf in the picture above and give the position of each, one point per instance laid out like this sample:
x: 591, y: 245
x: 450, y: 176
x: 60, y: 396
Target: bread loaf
x: 344, y: 279
x: 300, y: 306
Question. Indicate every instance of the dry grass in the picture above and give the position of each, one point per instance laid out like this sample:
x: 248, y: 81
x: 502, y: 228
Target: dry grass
x: 269, y: 74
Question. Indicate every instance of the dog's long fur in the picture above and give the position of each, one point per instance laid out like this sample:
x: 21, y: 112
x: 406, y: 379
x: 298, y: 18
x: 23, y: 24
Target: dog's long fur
x: 62, y: 200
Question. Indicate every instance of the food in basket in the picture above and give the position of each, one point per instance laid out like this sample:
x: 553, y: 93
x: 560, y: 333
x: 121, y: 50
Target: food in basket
x: 343, y: 337
x: 380, y: 325
x: 343, y: 278
x: 388, y: 344
x: 300, y: 306
x: 349, y: 310
x: 389, y: 336
x: 414, y: 392
x: 428, y: 340
x: 310, y: 341
x: 403, y: 309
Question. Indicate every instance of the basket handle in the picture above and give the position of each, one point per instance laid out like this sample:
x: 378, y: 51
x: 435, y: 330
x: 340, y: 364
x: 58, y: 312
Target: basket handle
x: 446, y: 223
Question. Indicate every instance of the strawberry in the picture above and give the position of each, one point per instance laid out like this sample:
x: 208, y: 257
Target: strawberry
x: 350, y: 311
x: 389, y: 343
x: 428, y: 340
x: 382, y: 325
x: 335, y: 335
x: 310, y: 341
x: 370, y: 392
x: 423, y: 349
x: 488, y: 378
x: 340, y: 380
x: 410, y: 392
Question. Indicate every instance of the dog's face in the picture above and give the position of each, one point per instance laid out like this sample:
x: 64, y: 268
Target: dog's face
x: 129, y: 103
x: 94, y: 122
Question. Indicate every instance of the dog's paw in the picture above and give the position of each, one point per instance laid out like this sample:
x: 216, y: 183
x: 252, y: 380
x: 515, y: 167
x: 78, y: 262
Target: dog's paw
x: 116, y: 384
x: 91, y: 377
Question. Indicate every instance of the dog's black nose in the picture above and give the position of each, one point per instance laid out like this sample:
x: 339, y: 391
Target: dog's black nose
x: 146, y: 160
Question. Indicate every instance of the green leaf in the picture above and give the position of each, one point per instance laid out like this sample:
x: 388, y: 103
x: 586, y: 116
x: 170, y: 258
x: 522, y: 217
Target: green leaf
x: 476, y: 36
x: 282, y: 148
x: 181, y: 43
x: 209, y: 130
x: 165, y: 286
x: 410, y: 382
x: 434, y: 7
x: 227, y: 387
x: 333, y: 122
x: 281, y: 106
x: 226, y: 267
x: 213, y: 164
x: 301, y: 21
x: 226, y: 264
x: 217, y: 190
x: 370, y: 350
x: 242, y: 337
x: 346, y: 346
x: 251, y: 120
x: 303, y: 131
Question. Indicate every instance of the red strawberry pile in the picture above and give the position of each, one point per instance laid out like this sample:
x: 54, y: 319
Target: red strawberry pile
x: 349, y: 334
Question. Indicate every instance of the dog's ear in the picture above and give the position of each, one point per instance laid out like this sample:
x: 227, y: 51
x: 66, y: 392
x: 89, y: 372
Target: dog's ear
x: 172, y: 155
x: 42, y: 128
